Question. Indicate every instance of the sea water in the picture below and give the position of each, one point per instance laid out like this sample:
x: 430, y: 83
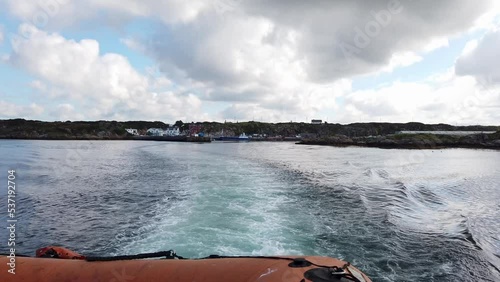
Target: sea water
x: 399, y: 215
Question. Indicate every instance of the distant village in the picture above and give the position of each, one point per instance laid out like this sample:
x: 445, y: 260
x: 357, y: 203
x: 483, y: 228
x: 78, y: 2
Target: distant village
x: 194, y: 130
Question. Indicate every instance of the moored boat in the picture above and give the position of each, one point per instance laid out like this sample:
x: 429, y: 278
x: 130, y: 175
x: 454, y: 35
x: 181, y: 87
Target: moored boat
x: 243, y: 137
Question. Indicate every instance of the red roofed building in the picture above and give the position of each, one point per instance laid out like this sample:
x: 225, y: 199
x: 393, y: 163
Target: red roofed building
x: 195, y: 128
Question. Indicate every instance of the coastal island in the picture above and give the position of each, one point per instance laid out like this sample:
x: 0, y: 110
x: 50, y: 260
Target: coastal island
x: 413, y: 141
x: 382, y: 135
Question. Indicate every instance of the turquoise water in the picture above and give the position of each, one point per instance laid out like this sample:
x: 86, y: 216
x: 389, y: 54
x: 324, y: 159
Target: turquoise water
x: 399, y: 215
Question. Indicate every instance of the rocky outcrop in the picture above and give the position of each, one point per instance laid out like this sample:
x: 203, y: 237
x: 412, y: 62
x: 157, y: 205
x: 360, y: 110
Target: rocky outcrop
x: 412, y: 141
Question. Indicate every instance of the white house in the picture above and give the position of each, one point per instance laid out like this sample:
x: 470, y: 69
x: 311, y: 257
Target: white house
x: 155, y: 132
x: 172, y: 131
x: 132, y: 131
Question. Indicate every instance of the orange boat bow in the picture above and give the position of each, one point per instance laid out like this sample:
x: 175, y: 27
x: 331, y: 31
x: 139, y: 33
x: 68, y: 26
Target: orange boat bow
x: 199, y: 270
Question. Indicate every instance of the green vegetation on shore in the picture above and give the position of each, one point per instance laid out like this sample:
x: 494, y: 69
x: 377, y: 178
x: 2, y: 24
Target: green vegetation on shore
x: 331, y: 129
x: 357, y: 134
x: 106, y: 130
x: 412, y: 141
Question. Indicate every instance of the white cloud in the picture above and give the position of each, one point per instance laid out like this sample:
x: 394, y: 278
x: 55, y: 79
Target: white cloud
x: 203, y: 42
x: 263, y: 52
x: 133, y: 44
x: 76, y: 66
x: 65, y: 112
x: 469, y: 47
x: 489, y: 20
x: 262, y: 56
x: 105, y: 86
x: 102, y: 85
x: 39, y: 86
x: 290, y: 103
x: 322, y: 28
x: 454, y: 100
x: 11, y: 110
x: 278, y: 60
x: 402, y: 60
x: 480, y: 59
x: 443, y: 77
x: 65, y: 13
x: 436, y: 43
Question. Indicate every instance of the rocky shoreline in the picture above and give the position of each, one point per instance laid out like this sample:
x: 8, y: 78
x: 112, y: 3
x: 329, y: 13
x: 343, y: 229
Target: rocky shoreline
x: 411, y: 141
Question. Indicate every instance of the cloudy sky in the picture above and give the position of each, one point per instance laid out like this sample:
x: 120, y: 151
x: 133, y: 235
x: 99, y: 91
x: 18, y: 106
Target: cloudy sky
x: 264, y: 60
